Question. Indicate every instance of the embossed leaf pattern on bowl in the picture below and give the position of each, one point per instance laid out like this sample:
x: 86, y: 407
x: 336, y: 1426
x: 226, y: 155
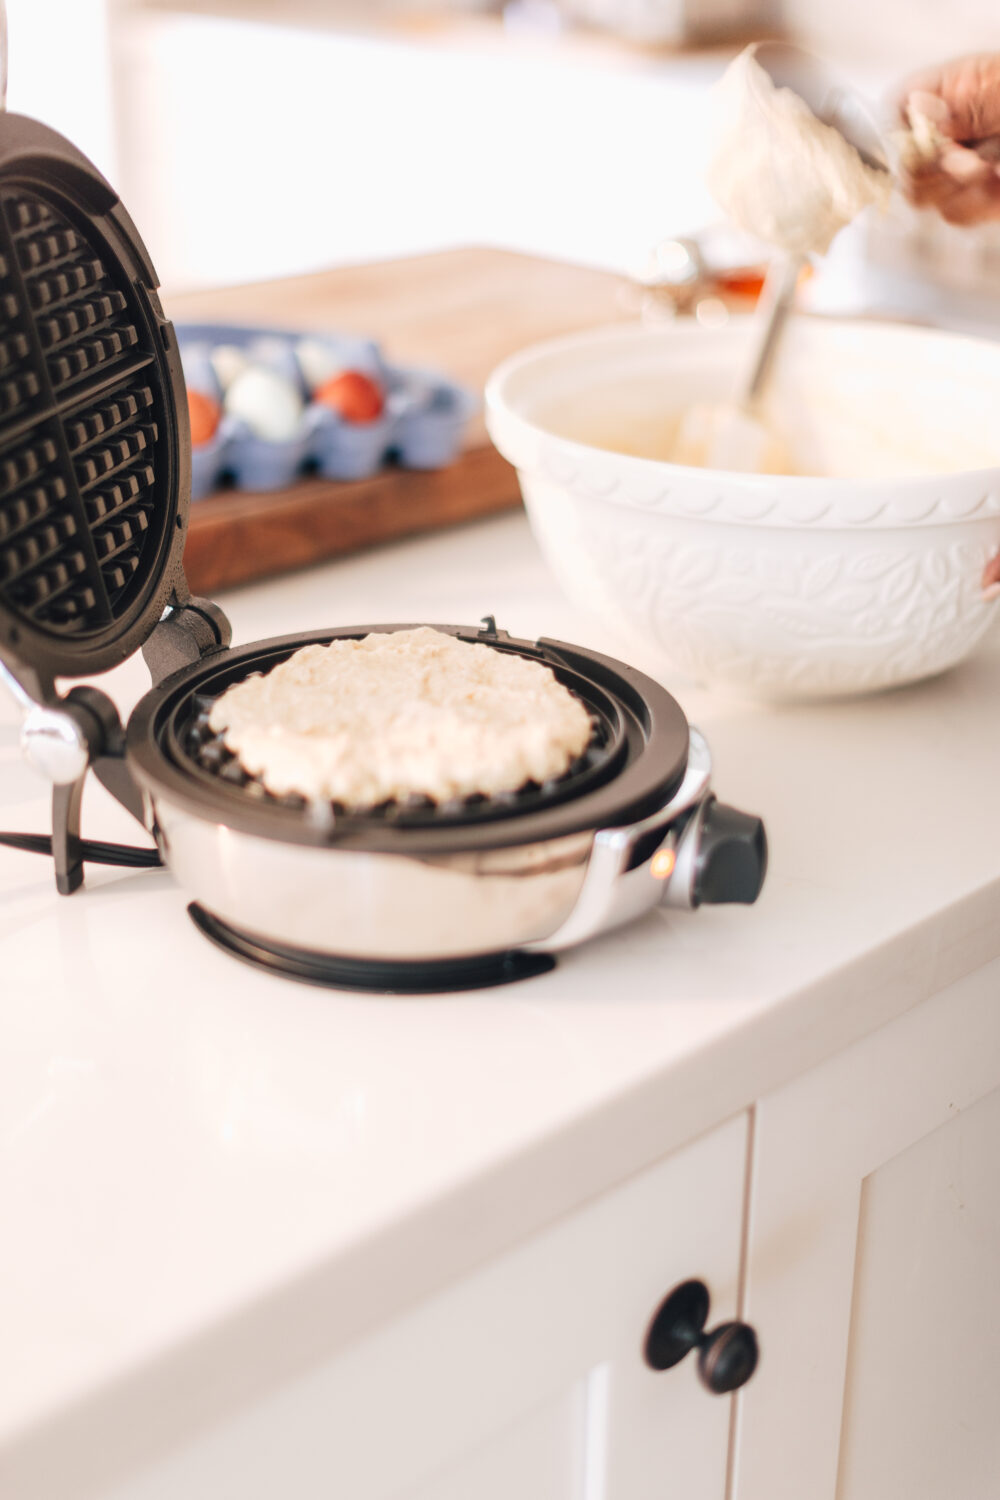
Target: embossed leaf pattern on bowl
x: 633, y: 484
x: 847, y: 622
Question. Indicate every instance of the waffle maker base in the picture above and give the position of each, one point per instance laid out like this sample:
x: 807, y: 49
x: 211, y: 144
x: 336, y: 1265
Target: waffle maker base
x: 412, y: 897
x: 444, y: 976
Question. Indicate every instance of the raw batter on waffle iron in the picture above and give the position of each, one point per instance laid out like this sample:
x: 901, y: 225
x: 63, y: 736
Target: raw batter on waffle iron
x: 406, y: 713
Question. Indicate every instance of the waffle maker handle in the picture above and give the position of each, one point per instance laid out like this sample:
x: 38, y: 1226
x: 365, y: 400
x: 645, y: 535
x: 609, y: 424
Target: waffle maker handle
x: 64, y: 737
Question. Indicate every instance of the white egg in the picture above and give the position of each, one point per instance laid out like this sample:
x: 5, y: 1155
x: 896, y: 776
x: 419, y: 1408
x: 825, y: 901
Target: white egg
x: 228, y: 360
x: 317, y: 361
x: 267, y: 402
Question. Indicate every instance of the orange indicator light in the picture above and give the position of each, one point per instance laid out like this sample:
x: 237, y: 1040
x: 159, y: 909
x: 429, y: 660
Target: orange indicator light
x: 661, y: 866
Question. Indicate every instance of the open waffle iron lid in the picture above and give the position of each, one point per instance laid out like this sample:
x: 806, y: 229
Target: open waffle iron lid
x: 95, y: 449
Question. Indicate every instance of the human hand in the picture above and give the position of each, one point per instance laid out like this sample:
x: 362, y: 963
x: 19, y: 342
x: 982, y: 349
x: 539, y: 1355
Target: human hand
x: 990, y: 582
x: 951, y: 147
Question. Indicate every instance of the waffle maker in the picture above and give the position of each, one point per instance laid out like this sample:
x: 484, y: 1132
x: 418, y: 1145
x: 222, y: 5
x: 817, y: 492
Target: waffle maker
x: 94, y: 503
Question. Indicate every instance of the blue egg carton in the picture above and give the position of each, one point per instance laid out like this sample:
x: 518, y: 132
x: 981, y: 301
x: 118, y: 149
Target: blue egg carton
x: 421, y: 426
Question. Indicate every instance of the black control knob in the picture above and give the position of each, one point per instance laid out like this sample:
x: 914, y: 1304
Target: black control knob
x: 731, y: 858
x: 727, y: 1356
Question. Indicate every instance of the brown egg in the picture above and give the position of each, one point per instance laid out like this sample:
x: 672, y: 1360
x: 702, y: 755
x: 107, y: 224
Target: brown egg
x: 205, y: 415
x: 353, y: 394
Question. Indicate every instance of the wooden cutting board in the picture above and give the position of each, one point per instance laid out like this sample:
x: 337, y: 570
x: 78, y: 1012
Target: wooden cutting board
x: 459, y: 311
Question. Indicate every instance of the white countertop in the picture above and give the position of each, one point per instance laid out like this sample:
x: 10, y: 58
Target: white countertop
x: 212, y: 1177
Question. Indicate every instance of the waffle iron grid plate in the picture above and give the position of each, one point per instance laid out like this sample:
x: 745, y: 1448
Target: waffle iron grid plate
x: 94, y: 450
x: 634, y: 762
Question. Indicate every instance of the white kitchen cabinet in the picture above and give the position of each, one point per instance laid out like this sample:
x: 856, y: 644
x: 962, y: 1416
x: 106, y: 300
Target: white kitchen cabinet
x: 526, y: 1379
x: 873, y: 1273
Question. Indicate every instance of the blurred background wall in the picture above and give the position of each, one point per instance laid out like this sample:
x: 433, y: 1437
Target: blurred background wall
x: 253, y: 138
x: 896, y: 34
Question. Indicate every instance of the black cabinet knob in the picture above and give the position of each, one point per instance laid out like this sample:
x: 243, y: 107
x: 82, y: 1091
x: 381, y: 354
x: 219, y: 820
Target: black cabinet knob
x: 727, y: 1356
x: 731, y: 859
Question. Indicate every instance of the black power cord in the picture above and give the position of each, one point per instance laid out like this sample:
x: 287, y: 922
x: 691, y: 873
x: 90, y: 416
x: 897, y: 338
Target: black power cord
x: 91, y: 850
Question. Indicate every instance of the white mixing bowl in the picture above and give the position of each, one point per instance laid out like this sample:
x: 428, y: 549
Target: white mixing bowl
x: 777, y: 587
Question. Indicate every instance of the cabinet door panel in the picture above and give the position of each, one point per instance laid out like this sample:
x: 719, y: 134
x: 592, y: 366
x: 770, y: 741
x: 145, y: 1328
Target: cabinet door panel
x: 923, y: 1389
x: 526, y: 1379
x: 539, y: 1458
x: 859, y: 1168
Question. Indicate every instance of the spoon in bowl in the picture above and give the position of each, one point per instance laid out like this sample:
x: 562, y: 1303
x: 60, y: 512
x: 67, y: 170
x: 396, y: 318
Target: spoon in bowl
x: 732, y: 435
x: 792, y: 67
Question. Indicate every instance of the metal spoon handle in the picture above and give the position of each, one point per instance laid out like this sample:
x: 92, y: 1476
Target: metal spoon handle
x: 773, y: 307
